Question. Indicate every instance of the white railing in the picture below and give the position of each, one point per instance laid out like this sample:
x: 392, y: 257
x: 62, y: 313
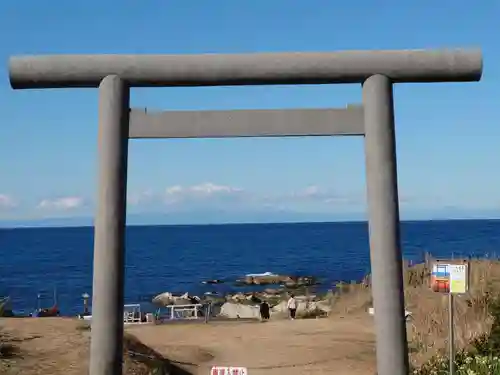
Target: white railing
x: 183, y: 312
x: 132, y: 314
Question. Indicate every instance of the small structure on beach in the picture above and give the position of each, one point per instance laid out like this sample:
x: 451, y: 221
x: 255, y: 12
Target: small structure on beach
x: 132, y: 314
x: 6, y: 307
x: 45, y: 312
x: 180, y: 312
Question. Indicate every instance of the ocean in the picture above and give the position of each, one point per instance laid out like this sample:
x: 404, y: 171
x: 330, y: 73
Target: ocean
x: 179, y: 258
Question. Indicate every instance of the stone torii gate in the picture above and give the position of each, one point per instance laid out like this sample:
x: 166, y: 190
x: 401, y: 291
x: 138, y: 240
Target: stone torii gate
x: 377, y: 71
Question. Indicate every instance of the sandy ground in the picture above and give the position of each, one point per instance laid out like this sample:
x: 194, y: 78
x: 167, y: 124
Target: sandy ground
x: 48, y: 346
x: 312, y: 346
x: 340, y: 345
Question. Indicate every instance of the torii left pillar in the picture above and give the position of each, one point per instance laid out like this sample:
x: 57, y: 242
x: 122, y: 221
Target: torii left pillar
x: 109, y: 241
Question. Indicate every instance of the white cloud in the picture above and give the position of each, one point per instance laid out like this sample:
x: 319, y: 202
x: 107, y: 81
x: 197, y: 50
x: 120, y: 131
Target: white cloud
x: 318, y: 194
x: 173, y: 190
x: 313, y: 192
x: 63, y: 203
x: 310, y: 191
x: 205, y: 191
x: 209, y: 188
x: 141, y: 197
x: 6, y: 201
x: 209, y: 194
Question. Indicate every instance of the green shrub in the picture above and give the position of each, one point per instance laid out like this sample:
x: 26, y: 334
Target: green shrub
x: 466, y: 363
x: 481, y: 345
x: 483, y: 358
x: 488, y: 345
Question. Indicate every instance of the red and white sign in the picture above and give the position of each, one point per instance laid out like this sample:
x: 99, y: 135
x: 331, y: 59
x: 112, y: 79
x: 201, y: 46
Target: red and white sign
x: 224, y: 370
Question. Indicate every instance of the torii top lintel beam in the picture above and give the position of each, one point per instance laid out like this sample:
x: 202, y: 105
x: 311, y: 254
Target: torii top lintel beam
x: 62, y: 71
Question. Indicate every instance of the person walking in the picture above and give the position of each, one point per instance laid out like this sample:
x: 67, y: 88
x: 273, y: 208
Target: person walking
x: 292, y: 306
x: 264, y: 311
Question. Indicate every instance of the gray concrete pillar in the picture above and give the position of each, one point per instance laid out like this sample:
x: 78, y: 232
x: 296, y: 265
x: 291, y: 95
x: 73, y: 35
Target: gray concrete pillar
x: 109, y: 242
x: 383, y: 213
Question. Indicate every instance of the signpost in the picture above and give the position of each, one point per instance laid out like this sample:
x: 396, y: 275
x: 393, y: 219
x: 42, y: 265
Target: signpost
x: 450, y: 277
x: 459, y: 278
x: 228, y: 370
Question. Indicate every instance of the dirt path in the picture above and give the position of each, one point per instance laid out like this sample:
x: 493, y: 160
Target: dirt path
x: 344, y: 346
x: 314, y: 346
x: 48, y: 346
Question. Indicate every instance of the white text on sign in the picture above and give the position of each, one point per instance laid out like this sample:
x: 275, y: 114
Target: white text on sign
x: 223, y: 370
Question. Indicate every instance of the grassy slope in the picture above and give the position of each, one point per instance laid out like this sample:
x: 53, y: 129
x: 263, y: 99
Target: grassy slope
x: 428, y: 329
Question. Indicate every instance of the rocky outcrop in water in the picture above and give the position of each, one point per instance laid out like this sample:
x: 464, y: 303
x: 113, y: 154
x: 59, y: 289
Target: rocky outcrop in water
x: 274, y: 279
x: 263, y: 279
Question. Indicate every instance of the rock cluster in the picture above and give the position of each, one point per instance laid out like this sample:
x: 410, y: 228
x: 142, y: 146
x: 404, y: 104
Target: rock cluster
x: 167, y: 298
x: 272, y: 279
x: 246, y: 305
x: 305, y: 308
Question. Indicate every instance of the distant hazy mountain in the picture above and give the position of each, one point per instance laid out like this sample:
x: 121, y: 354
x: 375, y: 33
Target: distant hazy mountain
x: 270, y: 216
x: 189, y: 217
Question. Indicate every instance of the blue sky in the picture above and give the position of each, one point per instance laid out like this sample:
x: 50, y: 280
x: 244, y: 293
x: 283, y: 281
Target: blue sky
x: 446, y: 133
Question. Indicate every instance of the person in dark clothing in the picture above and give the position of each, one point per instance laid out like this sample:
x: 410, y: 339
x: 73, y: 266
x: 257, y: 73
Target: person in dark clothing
x: 264, y: 311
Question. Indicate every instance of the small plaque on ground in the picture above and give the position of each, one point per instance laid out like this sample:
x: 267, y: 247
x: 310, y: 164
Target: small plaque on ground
x: 228, y: 370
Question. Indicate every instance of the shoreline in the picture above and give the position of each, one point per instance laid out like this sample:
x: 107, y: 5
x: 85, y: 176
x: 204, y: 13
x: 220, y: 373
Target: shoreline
x: 241, y: 293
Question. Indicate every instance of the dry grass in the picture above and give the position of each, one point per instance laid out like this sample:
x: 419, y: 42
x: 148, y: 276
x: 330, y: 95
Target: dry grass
x: 428, y: 327
x: 350, y: 298
x: 428, y: 331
